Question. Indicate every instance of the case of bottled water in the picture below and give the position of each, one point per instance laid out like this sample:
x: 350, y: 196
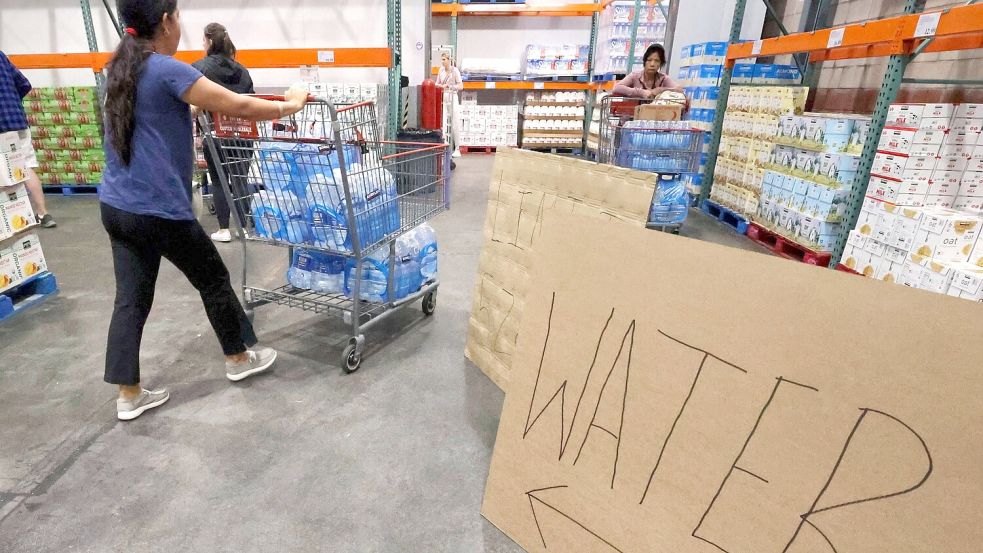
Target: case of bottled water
x: 318, y: 271
x: 415, y: 265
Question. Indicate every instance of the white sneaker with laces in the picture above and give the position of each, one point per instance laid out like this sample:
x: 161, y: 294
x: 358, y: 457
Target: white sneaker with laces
x: 223, y: 235
x: 257, y: 361
x: 456, y: 153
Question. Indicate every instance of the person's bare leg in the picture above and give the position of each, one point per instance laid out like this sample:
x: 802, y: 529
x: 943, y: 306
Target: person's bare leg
x: 35, y: 193
x: 237, y: 358
x: 129, y: 392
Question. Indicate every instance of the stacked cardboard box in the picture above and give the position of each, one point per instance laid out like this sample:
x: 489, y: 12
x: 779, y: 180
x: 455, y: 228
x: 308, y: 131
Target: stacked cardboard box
x: 809, y: 176
x: 489, y: 125
x: 751, y: 125
x: 67, y: 132
x: 553, y: 120
x: 564, y: 60
x: 920, y: 223
x: 22, y: 259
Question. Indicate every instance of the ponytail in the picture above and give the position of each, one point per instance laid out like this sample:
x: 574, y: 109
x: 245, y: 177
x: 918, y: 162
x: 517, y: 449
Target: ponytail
x: 142, y: 18
x: 221, y: 43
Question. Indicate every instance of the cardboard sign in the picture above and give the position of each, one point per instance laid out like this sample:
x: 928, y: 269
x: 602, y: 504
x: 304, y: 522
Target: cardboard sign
x: 524, y: 186
x: 679, y: 396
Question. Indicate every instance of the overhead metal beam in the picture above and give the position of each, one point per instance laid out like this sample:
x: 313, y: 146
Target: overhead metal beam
x: 112, y: 16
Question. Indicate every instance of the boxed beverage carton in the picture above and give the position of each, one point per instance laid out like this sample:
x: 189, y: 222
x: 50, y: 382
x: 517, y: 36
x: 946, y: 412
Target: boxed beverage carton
x: 884, y: 188
x: 950, y: 179
x: 952, y: 162
x: 968, y: 203
x: 29, y: 257
x: 889, y: 165
x: 905, y: 115
x: 937, y: 277
x: 904, y: 228
x: 912, y: 273
x: 938, y: 111
x: 9, y: 275
x: 934, y: 123
x: 971, y: 185
x: 969, y: 111
x: 13, y: 168
x: 920, y: 163
x: 838, y: 167
x: 939, y: 200
x: 946, y: 235
x: 889, y: 271
x: 861, y: 128
x: 967, y: 282
x: 16, y: 213
x: 897, y: 140
x: 967, y: 124
x: 962, y: 137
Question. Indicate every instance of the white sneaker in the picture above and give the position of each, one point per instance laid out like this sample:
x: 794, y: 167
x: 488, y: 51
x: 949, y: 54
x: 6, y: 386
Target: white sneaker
x: 256, y: 361
x: 456, y: 153
x: 147, y: 399
x: 223, y: 235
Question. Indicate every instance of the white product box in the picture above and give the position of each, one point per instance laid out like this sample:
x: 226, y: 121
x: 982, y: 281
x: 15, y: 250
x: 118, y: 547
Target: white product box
x: 952, y: 163
x: 970, y: 187
x: 973, y: 177
x: 906, y: 223
x: 9, y: 274
x: 9, y: 142
x: 353, y: 92
x: 867, y: 263
x: 939, y: 200
x: 884, y: 188
x: 970, y: 111
x: 914, y: 186
x: 29, y: 257
x: 967, y: 282
x: 911, y: 274
x: 968, y: 203
x: 927, y: 136
x: 889, y: 271
x: 937, y: 277
x: 370, y: 92
x: 976, y: 255
x: 934, y: 123
x: 924, y: 149
x: 911, y: 200
x: 469, y: 97
x: 962, y: 137
x: 920, y: 163
x: 969, y: 125
x: 975, y: 164
x: 943, y: 188
x: 946, y: 235
x: 897, y: 141
x: 889, y: 165
x: 13, y: 168
x: 965, y: 150
x: 905, y: 115
x: 855, y: 257
x: 16, y: 213
x: 947, y: 178
x: 938, y: 111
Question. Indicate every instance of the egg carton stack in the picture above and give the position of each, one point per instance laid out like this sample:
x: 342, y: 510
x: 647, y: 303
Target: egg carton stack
x: 751, y: 125
x: 67, y: 133
x: 614, y: 36
x: 21, y: 258
x: 553, y: 120
x: 920, y: 222
x: 488, y: 125
x: 809, y: 176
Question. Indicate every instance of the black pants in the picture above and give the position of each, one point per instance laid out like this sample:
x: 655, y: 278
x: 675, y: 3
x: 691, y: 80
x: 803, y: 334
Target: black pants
x: 234, y: 159
x: 139, y: 242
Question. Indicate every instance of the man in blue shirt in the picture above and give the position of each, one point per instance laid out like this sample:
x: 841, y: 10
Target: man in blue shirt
x: 14, y: 86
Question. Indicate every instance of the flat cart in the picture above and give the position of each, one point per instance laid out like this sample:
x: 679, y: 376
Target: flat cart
x: 343, y: 203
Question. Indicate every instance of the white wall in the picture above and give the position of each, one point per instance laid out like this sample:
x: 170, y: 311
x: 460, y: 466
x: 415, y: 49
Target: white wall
x: 48, y: 26
x: 710, y: 21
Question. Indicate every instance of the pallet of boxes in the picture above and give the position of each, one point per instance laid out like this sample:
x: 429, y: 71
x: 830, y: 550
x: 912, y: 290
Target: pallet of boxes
x: 921, y: 220
x: 67, y: 133
x: 24, y: 276
x: 485, y: 127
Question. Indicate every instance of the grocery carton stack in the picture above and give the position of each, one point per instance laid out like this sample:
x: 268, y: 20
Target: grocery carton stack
x: 20, y: 253
x: 920, y: 222
x: 809, y: 176
x: 489, y: 125
x: 751, y: 125
x: 67, y: 133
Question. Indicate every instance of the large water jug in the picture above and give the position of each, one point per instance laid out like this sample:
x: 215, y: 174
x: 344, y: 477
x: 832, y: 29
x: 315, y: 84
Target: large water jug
x: 420, y: 244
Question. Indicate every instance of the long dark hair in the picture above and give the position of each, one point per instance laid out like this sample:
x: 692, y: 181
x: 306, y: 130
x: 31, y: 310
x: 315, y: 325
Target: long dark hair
x: 123, y: 70
x: 221, y: 43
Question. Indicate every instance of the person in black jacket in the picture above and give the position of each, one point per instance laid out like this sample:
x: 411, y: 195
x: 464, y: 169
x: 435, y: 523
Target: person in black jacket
x: 220, y: 66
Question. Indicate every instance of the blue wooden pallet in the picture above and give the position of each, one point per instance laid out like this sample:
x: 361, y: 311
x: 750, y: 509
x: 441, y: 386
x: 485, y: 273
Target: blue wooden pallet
x: 605, y: 77
x: 559, y: 78
x: 490, y: 78
x: 71, y: 189
x: 27, y: 294
x: 726, y: 216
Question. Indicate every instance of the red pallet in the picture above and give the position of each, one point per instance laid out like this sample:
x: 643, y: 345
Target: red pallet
x: 478, y: 149
x: 844, y: 269
x: 786, y: 248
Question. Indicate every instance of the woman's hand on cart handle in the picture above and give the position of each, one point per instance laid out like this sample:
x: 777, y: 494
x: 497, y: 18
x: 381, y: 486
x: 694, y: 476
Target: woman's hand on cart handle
x: 215, y: 98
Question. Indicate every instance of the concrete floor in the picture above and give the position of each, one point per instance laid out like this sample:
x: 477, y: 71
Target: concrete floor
x: 305, y: 458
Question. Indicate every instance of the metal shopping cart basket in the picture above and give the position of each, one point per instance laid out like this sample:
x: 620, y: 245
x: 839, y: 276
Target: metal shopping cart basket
x: 672, y: 149
x: 342, y: 201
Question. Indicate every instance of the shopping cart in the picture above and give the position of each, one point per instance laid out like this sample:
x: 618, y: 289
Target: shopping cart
x: 672, y: 149
x: 325, y: 186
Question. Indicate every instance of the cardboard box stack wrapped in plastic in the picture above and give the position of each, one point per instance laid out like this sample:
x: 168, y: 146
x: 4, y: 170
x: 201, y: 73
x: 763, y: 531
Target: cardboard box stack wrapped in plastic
x: 67, y: 131
x: 751, y: 125
x: 922, y: 217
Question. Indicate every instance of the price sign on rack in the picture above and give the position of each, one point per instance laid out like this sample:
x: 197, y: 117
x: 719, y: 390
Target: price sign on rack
x: 756, y: 48
x: 835, y: 38
x: 928, y: 24
x: 539, y: 86
x: 489, y: 85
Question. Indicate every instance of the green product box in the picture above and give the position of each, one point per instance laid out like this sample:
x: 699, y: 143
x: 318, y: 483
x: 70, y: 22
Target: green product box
x: 84, y: 93
x: 53, y: 144
x: 40, y: 119
x: 90, y: 131
x: 55, y: 105
x: 94, y: 154
x: 87, y: 142
x: 93, y: 177
x: 45, y: 156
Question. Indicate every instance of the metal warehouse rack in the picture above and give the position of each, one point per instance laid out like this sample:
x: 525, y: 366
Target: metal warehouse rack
x: 902, y: 38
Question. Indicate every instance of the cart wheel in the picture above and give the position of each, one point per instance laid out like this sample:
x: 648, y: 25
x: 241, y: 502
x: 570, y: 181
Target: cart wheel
x: 250, y: 314
x: 429, y: 303
x: 351, y: 359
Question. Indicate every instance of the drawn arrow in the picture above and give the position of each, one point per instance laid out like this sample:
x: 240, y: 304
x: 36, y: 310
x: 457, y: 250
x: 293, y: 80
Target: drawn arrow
x: 533, y: 500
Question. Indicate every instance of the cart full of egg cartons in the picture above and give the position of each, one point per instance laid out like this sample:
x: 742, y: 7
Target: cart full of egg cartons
x: 350, y: 209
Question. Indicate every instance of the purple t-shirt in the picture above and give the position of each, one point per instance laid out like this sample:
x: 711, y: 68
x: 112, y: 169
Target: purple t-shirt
x: 158, y: 180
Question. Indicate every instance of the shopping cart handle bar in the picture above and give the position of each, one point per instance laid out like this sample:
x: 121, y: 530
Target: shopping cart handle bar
x: 281, y: 98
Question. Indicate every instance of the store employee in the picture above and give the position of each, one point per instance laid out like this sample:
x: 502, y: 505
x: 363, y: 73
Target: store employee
x: 648, y: 82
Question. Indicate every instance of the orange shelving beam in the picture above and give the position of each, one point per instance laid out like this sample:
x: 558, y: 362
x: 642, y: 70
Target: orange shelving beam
x: 254, y: 59
x: 524, y: 85
x: 562, y: 10
x: 959, y: 28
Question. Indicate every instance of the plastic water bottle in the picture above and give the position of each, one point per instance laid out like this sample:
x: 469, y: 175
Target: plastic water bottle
x: 374, y: 278
x: 328, y: 276
x: 299, y: 274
